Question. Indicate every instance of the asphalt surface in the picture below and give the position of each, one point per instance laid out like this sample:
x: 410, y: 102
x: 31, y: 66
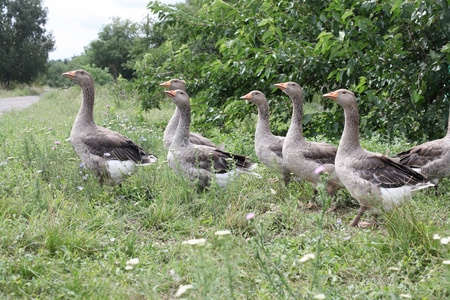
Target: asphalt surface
x: 8, y: 104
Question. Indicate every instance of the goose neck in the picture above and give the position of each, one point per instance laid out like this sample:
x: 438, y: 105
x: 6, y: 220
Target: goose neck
x: 182, y: 133
x: 296, y: 127
x: 173, y: 123
x: 86, y: 112
x: 350, y: 136
x: 263, y: 126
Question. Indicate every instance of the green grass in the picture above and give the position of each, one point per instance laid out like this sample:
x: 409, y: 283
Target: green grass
x: 63, y: 235
x: 21, y: 90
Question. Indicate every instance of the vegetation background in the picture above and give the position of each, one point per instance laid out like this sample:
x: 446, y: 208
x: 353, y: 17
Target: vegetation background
x: 62, y: 235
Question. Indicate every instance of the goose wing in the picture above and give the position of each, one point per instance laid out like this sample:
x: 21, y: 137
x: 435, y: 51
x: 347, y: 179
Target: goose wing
x: 321, y: 153
x: 112, y: 145
x: 384, y: 172
x: 420, y: 155
x: 217, y: 160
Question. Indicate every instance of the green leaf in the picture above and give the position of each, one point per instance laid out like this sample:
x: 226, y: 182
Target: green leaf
x: 446, y: 48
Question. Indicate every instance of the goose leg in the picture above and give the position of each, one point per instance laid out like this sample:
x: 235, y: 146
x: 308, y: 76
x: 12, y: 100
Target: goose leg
x: 361, y: 211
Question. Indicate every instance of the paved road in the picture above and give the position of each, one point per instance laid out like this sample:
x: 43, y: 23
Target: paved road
x: 7, y: 104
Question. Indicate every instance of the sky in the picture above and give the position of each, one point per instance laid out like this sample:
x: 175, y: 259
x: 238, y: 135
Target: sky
x: 74, y: 24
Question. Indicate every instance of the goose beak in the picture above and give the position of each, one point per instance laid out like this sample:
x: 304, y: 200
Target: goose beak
x: 171, y: 94
x: 281, y: 86
x: 165, y: 84
x: 332, y: 95
x: 70, y: 74
x: 247, y: 97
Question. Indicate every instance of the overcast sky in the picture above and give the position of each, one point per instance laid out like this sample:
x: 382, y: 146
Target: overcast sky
x: 75, y: 24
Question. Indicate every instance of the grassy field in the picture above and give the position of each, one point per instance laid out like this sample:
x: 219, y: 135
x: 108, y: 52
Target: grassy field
x: 21, y: 90
x: 63, y: 235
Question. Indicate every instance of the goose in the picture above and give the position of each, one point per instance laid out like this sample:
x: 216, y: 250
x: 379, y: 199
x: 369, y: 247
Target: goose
x: 431, y: 159
x: 301, y: 156
x: 200, y: 162
x: 171, y: 128
x: 268, y: 147
x: 377, y: 182
x: 108, y: 154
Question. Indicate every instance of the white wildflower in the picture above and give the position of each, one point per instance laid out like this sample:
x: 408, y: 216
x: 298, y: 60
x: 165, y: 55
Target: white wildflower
x: 273, y: 191
x: 436, y: 237
x: 393, y: 269
x: 133, y: 261
x: 319, y: 296
x: 445, y: 241
x: 183, y: 289
x: 222, y: 232
x: 129, y: 267
x: 195, y: 242
x: 446, y: 262
x: 307, y: 257
x: 174, y: 275
x: 406, y: 296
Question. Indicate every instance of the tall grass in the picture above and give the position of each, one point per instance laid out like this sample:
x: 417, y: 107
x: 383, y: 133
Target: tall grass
x: 63, y: 235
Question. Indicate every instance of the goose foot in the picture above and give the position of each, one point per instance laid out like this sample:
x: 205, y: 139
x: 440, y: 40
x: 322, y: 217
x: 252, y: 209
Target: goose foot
x: 333, y: 207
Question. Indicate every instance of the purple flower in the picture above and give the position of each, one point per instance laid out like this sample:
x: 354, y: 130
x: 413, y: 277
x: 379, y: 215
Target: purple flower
x: 53, y: 148
x: 134, y: 128
x: 40, y: 171
x: 319, y: 169
x: 6, y: 144
x: 57, y: 143
x: 50, y: 128
x: 126, y: 120
x: 250, y: 216
x: 104, y: 113
x: 84, y: 177
x: 81, y: 165
x: 80, y: 188
x: 107, y: 106
x: 339, y: 221
x: 347, y: 238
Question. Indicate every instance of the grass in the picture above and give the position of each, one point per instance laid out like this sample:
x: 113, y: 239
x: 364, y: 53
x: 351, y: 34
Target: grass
x: 63, y: 235
x: 20, y: 90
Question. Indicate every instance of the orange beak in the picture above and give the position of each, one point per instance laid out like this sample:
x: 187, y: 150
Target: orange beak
x: 332, y: 95
x: 70, y: 74
x: 247, y: 97
x: 171, y: 94
x: 281, y: 86
x: 165, y: 84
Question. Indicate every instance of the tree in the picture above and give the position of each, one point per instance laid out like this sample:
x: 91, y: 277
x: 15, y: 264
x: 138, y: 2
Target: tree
x: 393, y: 54
x: 24, y: 44
x: 113, y: 47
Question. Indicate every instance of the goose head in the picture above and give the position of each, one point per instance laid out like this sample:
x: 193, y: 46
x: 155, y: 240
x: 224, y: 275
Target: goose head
x: 179, y: 97
x: 174, y: 84
x: 343, y: 97
x: 80, y: 77
x: 290, y: 88
x: 256, y: 97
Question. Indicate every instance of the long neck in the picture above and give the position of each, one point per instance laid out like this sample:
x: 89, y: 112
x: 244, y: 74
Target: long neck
x: 182, y: 134
x: 263, y: 126
x: 296, y: 127
x: 172, y: 125
x: 86, y: 113
x: 350, y: 136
